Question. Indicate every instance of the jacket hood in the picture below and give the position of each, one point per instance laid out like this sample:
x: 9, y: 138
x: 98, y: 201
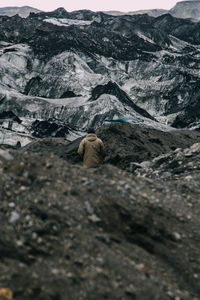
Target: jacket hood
x: 91, y: 137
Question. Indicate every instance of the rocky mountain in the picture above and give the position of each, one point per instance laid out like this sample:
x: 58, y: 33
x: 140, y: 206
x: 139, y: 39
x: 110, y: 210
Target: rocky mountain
x: 63, y: 71
x: 22, y: 11
x: 69, y: 232
x: 183, y: 9
x: 150, y: 12
x: 186, y: 9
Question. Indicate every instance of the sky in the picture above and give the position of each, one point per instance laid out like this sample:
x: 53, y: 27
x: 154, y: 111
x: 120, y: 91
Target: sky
x: 95, y: 5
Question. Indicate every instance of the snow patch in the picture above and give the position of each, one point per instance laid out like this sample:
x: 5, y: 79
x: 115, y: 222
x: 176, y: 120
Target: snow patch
x: 67, y: 22
x: 144, y: 37
x: 11, y: 138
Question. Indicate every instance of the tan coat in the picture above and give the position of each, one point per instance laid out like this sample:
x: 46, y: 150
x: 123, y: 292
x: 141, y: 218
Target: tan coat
x: 91, y: 149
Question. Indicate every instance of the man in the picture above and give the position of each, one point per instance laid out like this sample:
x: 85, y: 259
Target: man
x: 91, y: 149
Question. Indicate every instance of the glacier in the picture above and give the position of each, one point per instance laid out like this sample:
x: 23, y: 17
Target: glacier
x: 58, y: 85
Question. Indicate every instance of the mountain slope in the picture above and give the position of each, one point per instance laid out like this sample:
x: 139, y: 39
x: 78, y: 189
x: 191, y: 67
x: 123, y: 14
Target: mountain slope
x: 85, y: 67
x: 186, y: 9
x: 183, y: 9
x: 150, y: 12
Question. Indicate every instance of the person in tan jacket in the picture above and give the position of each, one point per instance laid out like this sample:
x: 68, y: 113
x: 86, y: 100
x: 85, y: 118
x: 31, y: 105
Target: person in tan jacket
x: 91, y: 150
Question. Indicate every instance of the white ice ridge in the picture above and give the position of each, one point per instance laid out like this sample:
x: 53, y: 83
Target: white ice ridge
x: 144, y: 37
x: 67, y: 22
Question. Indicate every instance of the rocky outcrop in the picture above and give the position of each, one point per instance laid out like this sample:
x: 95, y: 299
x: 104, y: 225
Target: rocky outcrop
x: 49, y: 128
x: 9, y: 115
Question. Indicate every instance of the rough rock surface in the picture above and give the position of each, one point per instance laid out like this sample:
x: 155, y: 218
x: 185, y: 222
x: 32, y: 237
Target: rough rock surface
x: 68, y: 232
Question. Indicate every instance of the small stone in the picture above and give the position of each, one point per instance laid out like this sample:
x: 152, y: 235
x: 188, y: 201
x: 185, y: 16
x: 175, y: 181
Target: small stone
x: 176, y: 236
x: 140, y: 267
x: 132, y: 198
x: 146, y: 164
x: 49, y: 165
x: 166, y: 175
x: 89, y: 208
x: 127, y: 187
x: 19, y: 243
x: 34, y: 275
x: 103, y: 238
x: 22, y: 265
x: 170, y: 294
x: 130, y: 290
x: 188, y: 178
x: 70, y: 275
x: 34, y: 235
x: 14, y: 217
x: 55, y: 271
x: 93, y: 218
x: 100, y: 260
x: 11, y: 204
x: 22, y: 188
x: 144, y: 195
x: 39, y: 240
x: 28, y: 218
x: 177, y: 150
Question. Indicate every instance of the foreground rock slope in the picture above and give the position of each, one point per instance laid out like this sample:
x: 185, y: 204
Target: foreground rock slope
x: 68, y: 232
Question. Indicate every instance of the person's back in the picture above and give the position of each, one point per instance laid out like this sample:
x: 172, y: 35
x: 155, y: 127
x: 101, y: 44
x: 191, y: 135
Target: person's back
x: 91, y: 149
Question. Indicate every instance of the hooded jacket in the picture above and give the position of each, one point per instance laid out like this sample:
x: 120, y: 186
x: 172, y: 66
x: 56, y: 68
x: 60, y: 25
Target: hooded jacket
x: 91, y: 149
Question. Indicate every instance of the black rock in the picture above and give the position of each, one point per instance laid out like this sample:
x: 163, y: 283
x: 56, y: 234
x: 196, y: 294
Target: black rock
x: 49, y: 128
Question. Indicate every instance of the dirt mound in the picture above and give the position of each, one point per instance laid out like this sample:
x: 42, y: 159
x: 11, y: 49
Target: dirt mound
x: 132, y: 143
x: 124, y: 143
x: 68, y: 232
x: 47, y: 146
